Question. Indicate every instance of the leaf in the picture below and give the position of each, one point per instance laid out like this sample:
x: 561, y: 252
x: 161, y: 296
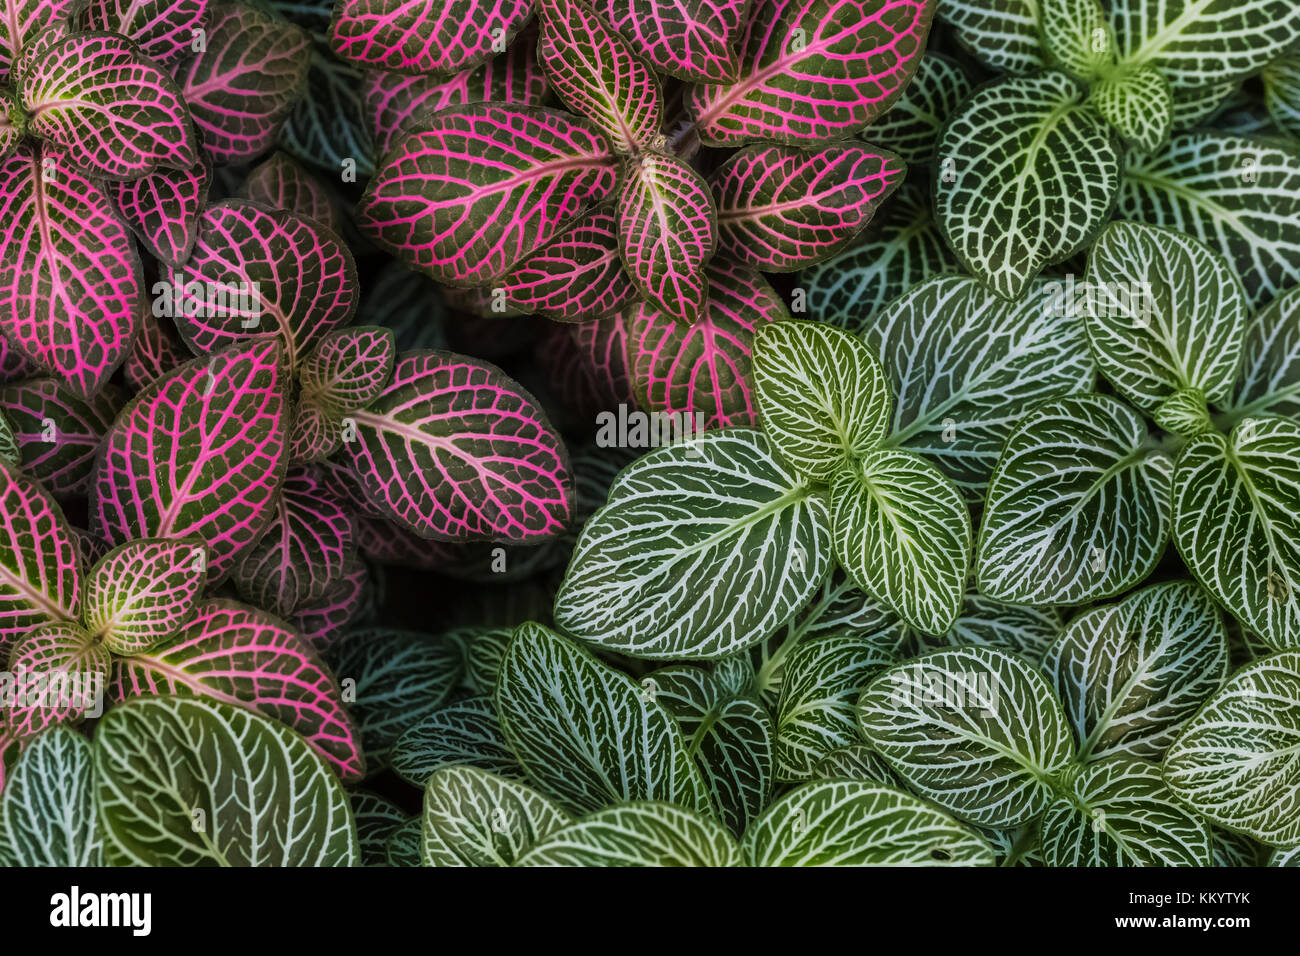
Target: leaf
x: 1269, y: 379
x: 24, y: 20
x: 163, y: 209
x: 1077, y: 508
x: 70, y: 285
x: 327, y: 127
x: 47, y: 814
x: 323, y: 621
x: 858, y: 823
x: 465, y: 733
x: 976, y: 731
x: 475, y: 818
x: 690, y: 39
x: 1237, y: 523
x: 1139, y: 104
x: 986, y: 622
x: 1131, y: 673
x: 423, y: 38
x: 348, y: 368
x: 241, y: 87
x: 453, y: 449
x: 965, y: 366
x: 162, y: 29
x: 902, y: 532
x: 1281, y: 80
x: 198, y: 452
x: 40, y: 573
x: 58, y: 432
x: 121, y: 120
x: 781, y: 208
x: 1239, y: 195
x: 719, y: 509
x: 483, y: 658
x: 278, y: 182
x: 1118, y: 812
x: 57, y: 674
x: 911, y: 127
x: 585, y: 733
x: 1236, y: 761
x: 641, y: 833
x: 1163, y: 313
x: 667, y: 233
x: 813, y: 71
x: 1003, y: 35
x: 822, y: 395
x: 160, y: 763
x: 377, y: 819
x: 142, y: 592
x: 9, y: 451
x: 157, y: 350
x: 460, y: 224
x: 598, y: 74
x: 1076, y: 37
x: 1012, y: 154
x: 856, y: 762
x: 243, y: 656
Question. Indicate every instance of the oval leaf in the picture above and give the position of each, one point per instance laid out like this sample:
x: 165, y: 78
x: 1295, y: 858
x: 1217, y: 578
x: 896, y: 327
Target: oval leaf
x: 47, y: 814
x: 143, y: 592
x: 636, y: 834
x: 475, y: 818
x: 425, y: 38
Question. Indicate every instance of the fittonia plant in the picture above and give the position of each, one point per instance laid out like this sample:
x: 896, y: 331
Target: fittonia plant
x: 907, y: 471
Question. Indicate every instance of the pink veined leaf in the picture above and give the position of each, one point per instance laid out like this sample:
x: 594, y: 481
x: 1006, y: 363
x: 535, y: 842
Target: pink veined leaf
x: 349, y: 368
x: 667, y: 232
x: 692, y: 40
x: 394, y: 100
x: 164, y: 30
x: 163, y: 209
x: 703, y: 369
x: 13, y: 366
x: 425, y: 36
x: 278, y: 182
x: 256, y: 271
x: 314, y: 435
x: 115, y: 113
x: 577, y: 277
x: 387, y: 542
x: 337, y: 479
x: 40, y: 572
x: 323, y: 621
x: 305, y: 548
x: 60, y: 676
x: 58, y: 431
x: 157, y: 350
x: 454, y: 449
x: 604, y: 346
x: 814, y: 70
x: 595, y: 71
x: 70, y: 285
x: 248, y: 658
x: 142, y: 592
x: 21, y: 21
x: 781, y: 208
x: 473, y: 190
x: 91, y: 548
x: 198, y: 452
x: 11, y: 133
x: 241, y: 87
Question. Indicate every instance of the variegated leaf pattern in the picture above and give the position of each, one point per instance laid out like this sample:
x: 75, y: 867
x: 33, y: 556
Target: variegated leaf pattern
x: 279, y: 182
x: 1163, y: 313
x: 1078, y: 506
x: 9, y: 451
x: 327, y: 126
x: 692, y: 40
x: 911, y: 127
x: 856, y: 762
x: 1004, y: 34
x: 586, y: 734
x: 1131, y: 673
x: 1076, y: 37
x: 638, y: 833
x: 667, y: 233
x: 157, y: 761
x: 813, y: 70
x: 577, y: 278
x: 859, y: 823
x: 1237, y: 523
x: 465, y: 733
x: 975, y: 730
x: 475, y: 818
x: 57, y: 431
x: 59, y: 655
x: 718, y: 509
x: 323, y: 621
x: 142, y: 592
x: 1281, y: 80
x: 483, y: 657
x: 1268, y: 382
x: 1119, y: 812
x: 157, y: 350
x: 405, y: 37
x: 964, y: 366
x: 163, y: 209
x: 315, y: 434
x: 403, y: 845
x: 822, y: 395
x: 377, y: 818
x: 1236, y: 762
x: 1015, y: 152
x: 164, y: 30
x: 446, y: 197
x: 348, y: 368
x: 47, y: 813
x: 782, y: 209
x: 988, y: 622
x: 1139, y: 104
x: 902, y: 532
x: 24, y: 20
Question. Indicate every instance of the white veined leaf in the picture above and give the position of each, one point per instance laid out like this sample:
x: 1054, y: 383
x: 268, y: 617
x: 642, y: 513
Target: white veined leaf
x: 1139, y: 103
x: 403, y: 845
x: 1185, y: 413
x: 1269, y: 381
x: 1014, y: 847
x: 465, y: 733
x: 1118, y: 812
x: 1237, y: 523
x: 965, y: 366
x: 1076, y: 37
x: 1285, y: 857
x: 975, y: 730
x: 1195, y: 106
x: 637, y: 834
x: 817, y: 710
x: 704, y: 548
x: 902, y: 532
x: 1233, y: 849
x: 1018, y: 628
x: 1239, y: 195
x: 1077, y: 508
x: 586, y: 734
x: 1130, y: 674
x: 483, y: 657
x: 1003, y: 34
x: 47, y: 811
x: 911, y: 126
x: 1014, y: 157
x: 475, y: 818
x: 1237, y: 762
x: 856, y: 762
x: 859, y: 823
x: 821, y: 394
x: 1163, y: 313
x: 1281, y: 80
